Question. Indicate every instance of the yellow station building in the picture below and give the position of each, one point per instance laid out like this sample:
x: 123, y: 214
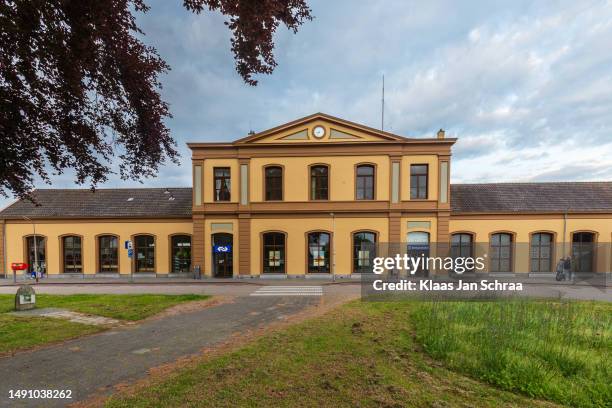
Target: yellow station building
x: 300, y: 200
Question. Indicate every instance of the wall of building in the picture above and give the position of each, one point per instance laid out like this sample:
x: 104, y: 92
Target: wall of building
x: 341, y: 176
x: 521, y: 226
x: 481, y: 226
x: 296, y: 230
x: 297, y: 176
x: 89, y: 230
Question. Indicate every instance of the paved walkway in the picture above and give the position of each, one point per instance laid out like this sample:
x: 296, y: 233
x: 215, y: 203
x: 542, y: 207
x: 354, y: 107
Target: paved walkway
x: 94, y: 280
x: 566, y: 291
x: 96, y: 363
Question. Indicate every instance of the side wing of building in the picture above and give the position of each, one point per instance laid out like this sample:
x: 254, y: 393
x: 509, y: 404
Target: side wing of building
x: 78, y: 232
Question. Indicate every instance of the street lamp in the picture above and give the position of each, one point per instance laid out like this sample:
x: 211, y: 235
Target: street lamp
x: 35, y: 245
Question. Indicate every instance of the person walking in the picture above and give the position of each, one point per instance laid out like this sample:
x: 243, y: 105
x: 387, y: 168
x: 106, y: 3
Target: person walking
x: 560, y: 270
x: 567, y: 268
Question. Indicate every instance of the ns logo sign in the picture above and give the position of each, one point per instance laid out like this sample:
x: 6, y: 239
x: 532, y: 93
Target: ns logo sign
x: 220, y: 249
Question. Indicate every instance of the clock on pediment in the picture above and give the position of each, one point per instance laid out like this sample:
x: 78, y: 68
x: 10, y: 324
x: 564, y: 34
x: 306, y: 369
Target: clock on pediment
x: 318, y: 131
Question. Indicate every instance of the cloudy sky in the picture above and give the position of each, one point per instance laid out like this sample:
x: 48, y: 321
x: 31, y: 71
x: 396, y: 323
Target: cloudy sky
x: 525, y: 86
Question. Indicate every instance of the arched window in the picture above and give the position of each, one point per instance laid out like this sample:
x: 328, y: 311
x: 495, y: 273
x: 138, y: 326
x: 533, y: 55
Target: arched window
x: 462, y: 245
x: 318, y: 252
x: 72, y: 254
x: 541, y: 252
x: 181, y: 253
x: 274, y: 183
x: 274, y: 252
x: 364, y: 182
x: 144, y: 252
x: 36, y: 253
x: 583, y: 252
x: 501, y: 253
x: 364, y: 251
x: 319, y: 183
x: 108, y: 254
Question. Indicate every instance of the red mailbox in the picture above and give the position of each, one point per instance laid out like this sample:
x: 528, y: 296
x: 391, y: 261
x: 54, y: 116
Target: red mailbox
x: 19, y: 266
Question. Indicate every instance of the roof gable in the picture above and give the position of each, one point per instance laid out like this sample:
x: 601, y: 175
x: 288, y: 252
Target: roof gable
x: 335, y: 130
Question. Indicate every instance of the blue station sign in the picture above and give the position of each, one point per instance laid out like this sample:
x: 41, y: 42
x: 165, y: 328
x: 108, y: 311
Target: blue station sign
x: 221, y: 249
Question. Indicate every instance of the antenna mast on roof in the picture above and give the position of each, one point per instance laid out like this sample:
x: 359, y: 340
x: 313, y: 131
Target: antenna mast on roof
x: 382, y: 113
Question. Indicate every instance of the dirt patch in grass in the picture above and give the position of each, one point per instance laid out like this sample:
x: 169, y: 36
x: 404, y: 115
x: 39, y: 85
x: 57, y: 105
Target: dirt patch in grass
x: 18, y: 334
x: 122, y: 307
x: 192, y: 306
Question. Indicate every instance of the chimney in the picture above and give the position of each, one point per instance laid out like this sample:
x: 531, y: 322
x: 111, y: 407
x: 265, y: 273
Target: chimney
x: 441, y: 134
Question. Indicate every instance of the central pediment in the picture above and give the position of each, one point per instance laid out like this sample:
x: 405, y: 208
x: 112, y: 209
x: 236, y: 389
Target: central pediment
x: 320, y: 128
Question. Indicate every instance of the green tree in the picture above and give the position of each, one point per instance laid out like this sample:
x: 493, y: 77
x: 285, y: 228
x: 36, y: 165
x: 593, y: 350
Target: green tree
x: 78, y: 89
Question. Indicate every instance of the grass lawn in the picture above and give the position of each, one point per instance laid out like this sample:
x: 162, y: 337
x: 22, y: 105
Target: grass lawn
x: 23, y: 332
x: 367, y: 354
x: 552, y: 350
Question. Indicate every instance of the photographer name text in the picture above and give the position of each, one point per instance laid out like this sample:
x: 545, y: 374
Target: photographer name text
x: 430, y: 285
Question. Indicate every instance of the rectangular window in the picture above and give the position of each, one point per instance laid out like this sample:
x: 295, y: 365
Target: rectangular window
x: 222, y: 183
x: 418, y: 181
x: 425, y: 225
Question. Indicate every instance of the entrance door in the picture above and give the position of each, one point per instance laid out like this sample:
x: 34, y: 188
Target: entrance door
x: 222, y: 255
x: 418, y: 247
